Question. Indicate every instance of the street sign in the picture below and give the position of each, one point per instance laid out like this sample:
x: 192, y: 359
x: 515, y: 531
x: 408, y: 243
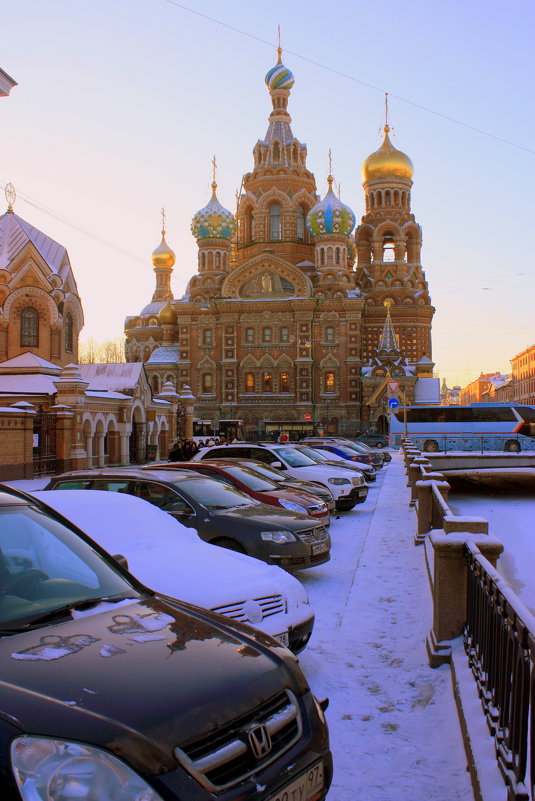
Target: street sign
x: 393, y: 403
x: 308, y: 417
x: 393, y: 386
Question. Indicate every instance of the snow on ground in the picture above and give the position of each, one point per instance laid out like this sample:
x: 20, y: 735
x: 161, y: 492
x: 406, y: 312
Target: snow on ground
x: 394, y: 728
x: 509, y: 506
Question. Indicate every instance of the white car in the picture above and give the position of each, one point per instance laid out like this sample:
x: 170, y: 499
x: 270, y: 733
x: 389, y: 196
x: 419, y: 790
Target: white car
x: 171, y: 559
x: 347, y: 489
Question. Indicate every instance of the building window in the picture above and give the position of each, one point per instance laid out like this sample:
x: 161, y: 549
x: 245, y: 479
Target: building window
x: 69, y: 339
x: 267, y: 382
x: 284, y: 382
x: 337, y: 256
x: 249, y: 335
x: 301, y: 224
x: 266, y: 335
x: 207, y: 383
x: 285, y: 335
x: 207, y: 336
x: 329, y: 384
x: 275, y: 222
x: 329, y: 334
x: 249, y: 382
x: 29, y: 328
x: 389, y: 251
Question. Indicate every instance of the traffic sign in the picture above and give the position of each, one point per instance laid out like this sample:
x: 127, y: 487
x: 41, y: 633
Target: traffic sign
x: 393, y: 386
x: 393, y: 403
x: 308, y: 417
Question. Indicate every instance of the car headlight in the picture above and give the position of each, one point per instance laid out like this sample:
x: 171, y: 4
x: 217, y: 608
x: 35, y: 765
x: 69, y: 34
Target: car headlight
x: 293, y: 507
x: 58, y: 770
x: 339, y: 481
x: 278, y: 536
x: 358, y: 481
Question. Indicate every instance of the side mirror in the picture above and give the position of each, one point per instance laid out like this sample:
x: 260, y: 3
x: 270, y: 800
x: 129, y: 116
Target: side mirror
x: 121, y: 560
x: 279, y: 465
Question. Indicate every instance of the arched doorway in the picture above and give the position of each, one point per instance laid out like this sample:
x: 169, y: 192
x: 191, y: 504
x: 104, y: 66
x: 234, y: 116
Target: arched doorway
x: 382, y: 424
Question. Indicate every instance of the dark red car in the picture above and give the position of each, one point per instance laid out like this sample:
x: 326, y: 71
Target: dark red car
x: 256, y: 485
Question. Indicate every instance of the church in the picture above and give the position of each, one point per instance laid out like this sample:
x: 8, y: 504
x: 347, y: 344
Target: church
x: 293, y: 320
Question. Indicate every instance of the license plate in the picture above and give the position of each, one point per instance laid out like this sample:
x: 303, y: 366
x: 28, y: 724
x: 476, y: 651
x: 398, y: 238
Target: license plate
x: 363, y: 493
x: 283, y: 638
x: 304, y: 788
x: 320, y: 547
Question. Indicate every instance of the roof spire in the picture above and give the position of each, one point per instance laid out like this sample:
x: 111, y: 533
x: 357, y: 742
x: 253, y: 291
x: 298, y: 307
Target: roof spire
x: 279, y: 48
x: 387, y: 126
x: 11, y: 197
x: 388, y: 340
x: 214, y: 182
x: 163, y: 221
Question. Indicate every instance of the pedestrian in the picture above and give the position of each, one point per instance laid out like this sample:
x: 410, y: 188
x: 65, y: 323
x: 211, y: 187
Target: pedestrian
x: 210, y: 443
x: 175, y: 454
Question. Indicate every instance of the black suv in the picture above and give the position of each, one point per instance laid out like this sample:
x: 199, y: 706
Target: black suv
x: 221, y: 514
x: 111, y: 692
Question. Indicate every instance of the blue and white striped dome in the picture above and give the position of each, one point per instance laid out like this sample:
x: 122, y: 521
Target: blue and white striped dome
x: 279, y: 77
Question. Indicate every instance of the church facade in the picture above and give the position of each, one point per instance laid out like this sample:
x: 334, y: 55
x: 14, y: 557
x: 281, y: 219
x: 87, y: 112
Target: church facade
x: 291, y: 315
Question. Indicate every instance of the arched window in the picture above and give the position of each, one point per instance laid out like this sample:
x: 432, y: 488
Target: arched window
x: 337, y: 256
x: 29, y: 328
x: 207, y: 383
x: 322, y: 256
x: 387, y: 197
x: 276, y: 152
x: 207, y: 338
x: 249, y: 335
x: 267, y: 382
x: 203, y: 261
x: 69, y: 338
x: 210, y: 260
x: 329, y: 382
x: 266, y: 335
x: 285, y: 335
x: 329, y: 334
x: 218, y: 259
x: 389, y: 251
x: 249, y: 382
x: 301, y: 224
x: 284, y: 382
x: 275, y: 222
x: 155, y: 384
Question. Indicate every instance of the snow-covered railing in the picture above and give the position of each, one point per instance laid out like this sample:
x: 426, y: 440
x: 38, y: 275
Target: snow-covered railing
x: 499, y: 638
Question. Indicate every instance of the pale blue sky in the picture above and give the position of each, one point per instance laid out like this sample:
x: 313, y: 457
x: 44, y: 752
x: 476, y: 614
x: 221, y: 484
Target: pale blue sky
x: 121, y: 105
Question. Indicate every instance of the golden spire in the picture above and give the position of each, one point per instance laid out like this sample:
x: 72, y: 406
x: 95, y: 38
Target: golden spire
x: 214, y: 169
x: 330, y: 162
x: 279, y: 48
x: 387, y: 126
x: 163, y: 221
x: 11, y: 197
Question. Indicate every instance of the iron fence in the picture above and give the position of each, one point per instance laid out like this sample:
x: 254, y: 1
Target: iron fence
x: 44, y: 449
x: 499, y: 639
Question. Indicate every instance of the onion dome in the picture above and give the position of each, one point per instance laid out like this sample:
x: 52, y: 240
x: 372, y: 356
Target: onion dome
x: 330, y: 215
x: 163, y: 256
x: 213, y: 221
x: 387, y: 162
x: 279, y: 76
x: 167, y: 315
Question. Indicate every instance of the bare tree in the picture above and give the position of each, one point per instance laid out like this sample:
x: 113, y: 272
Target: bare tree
x: 109, y: 352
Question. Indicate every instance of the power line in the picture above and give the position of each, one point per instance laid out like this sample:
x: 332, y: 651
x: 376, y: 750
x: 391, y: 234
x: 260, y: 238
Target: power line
x: 352, y: 78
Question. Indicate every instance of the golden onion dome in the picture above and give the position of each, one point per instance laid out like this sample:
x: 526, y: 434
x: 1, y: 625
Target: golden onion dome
x: 387, y: 162
x: 167, y: 315
x: 163, y: 256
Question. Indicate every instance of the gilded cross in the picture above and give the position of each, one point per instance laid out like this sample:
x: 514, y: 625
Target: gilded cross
x: 330, y: 162
x: 163, y: 220
x: 214, y: 167
x: 386, y: 108
x: 279, y: 48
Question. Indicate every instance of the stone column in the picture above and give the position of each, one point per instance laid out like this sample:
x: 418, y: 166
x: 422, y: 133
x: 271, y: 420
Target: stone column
x: 187, y: 398
x: 450, y: 582
x: 424, y: 489
x: 70, y: 391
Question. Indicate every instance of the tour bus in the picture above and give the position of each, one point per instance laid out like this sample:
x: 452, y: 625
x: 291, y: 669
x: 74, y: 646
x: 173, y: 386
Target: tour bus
x: 479, y: 426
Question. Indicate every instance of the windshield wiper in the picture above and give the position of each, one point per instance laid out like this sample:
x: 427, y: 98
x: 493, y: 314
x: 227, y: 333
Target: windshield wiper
x: 62, y: 612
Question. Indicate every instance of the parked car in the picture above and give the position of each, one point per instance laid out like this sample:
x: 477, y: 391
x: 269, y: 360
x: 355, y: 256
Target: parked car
x: 346, y: 490
x: 327, y: 457
x: 257, y: 486
x: 174, y: 561
x: 374, y: 440
x: 280, y: 477
x: 111, y: 692
x: 384, y: 454
x: 349, y: 450
x: 221, y: 514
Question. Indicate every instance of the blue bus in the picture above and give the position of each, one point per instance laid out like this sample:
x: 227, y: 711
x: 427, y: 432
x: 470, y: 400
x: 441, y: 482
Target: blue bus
x: 479, y: 426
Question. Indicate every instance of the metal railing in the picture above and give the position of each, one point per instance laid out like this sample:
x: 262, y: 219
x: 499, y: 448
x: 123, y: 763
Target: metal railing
x: 499, y: 639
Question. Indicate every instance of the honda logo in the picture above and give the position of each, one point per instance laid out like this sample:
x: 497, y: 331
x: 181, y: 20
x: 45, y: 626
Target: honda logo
x: 259, y: 741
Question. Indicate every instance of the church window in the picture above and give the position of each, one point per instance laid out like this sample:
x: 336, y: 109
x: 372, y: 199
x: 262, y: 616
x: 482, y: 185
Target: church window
x: 329, y: 334
x: 372, y: 201
x: 322, y: 256
x: 337, y: 256
x: 207, y: 337
x: 267, y: 382
x: 301, y: 224
x: 69, y: 338
x: 329, y: 382
x: 379, y: 198
x: 285, y: 335
x: 387, y: 197
x: 218, y: 259
x: 29, y: 328
x: 155, y: 384
x: 396, y: 197
x: 249, y: 382
x: 207, y: 383
x: 249, y: 335
x: 275, y: 222
x: 294, y: 153
x: 203, y: 261
x: 389, y: 252
x: 266, y: 335
x: 276, y: 152
x: 284, y: 382
x: 404, y: 199
x: 210, y: 261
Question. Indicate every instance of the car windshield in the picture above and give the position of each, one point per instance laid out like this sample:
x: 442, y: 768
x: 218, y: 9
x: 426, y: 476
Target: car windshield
x: 293, y: 457
x: 251, y: 479
x: 345, y: 449
x: 213, y: 494
x: 45, y: 566
x: 312, y: 453
x: 358, y: 447
x: 268, y: 471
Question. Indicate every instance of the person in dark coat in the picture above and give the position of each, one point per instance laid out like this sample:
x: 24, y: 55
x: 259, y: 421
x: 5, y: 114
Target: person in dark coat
x: 175, y: 454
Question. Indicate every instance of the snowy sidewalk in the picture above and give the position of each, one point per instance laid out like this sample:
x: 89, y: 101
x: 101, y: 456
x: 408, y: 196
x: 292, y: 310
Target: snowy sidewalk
x: 394, y: 727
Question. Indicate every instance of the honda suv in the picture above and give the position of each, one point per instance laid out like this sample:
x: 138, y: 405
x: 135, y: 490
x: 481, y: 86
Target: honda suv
x: 110, y: 692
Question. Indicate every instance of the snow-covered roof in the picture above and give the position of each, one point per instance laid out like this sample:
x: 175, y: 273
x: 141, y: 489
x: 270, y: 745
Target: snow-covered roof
x: 115, y: 377
x: 427, y: 390
x: 29, y: 362
x: 152, y: 308
x: 167, y: 354
x: 27, y: 384
x: 16, y: 233
x: 110, y: 395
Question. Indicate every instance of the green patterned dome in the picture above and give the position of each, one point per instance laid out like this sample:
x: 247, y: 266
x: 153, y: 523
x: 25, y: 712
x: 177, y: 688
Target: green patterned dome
x: 279, y: 76
x: 330, y: 215
x: 213, y: 221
